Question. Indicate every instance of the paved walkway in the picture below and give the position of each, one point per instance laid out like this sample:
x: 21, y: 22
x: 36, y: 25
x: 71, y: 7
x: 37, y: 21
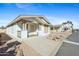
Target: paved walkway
x: 43, y: 47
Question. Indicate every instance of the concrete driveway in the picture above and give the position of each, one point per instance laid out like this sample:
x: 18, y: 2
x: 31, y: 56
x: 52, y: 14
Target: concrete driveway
x: 43, y: 46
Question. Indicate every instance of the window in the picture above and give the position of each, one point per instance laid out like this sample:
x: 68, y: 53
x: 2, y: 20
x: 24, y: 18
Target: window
x: 39, y: 27
x: 19, y: 34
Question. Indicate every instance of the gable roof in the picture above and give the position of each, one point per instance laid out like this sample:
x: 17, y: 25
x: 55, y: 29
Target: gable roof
x: 40, y: 19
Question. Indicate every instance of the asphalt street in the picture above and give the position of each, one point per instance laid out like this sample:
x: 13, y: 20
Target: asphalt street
x: 74, y: 37
x: 70, y: 49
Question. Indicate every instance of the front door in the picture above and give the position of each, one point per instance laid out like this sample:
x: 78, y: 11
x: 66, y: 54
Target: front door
x: 32, y: 30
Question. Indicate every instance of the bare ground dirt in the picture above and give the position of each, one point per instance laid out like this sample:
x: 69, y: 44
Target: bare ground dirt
x: 9, y: 48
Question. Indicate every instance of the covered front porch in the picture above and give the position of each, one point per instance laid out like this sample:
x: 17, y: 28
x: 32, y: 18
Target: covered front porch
x: 27, y: 29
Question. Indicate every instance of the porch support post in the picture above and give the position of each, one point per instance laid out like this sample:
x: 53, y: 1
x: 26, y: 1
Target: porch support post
x: 37, y: 29
x: 23, y: 26
x: 26, y: 28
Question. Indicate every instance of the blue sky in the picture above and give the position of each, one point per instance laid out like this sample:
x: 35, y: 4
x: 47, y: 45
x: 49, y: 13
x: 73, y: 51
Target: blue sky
x: 56, y: 13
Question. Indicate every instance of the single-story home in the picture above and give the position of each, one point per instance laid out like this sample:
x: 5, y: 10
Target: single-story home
x: 25, y: 26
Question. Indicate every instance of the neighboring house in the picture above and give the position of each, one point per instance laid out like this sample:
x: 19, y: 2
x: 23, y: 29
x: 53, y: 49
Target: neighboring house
x: 26, y: 26
x: 66, y: 26
x: 56, y: 28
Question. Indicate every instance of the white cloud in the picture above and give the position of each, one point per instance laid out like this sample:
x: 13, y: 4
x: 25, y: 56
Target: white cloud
x: 31, y: 6
x: 26, y: 6
x: 20, y: 5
